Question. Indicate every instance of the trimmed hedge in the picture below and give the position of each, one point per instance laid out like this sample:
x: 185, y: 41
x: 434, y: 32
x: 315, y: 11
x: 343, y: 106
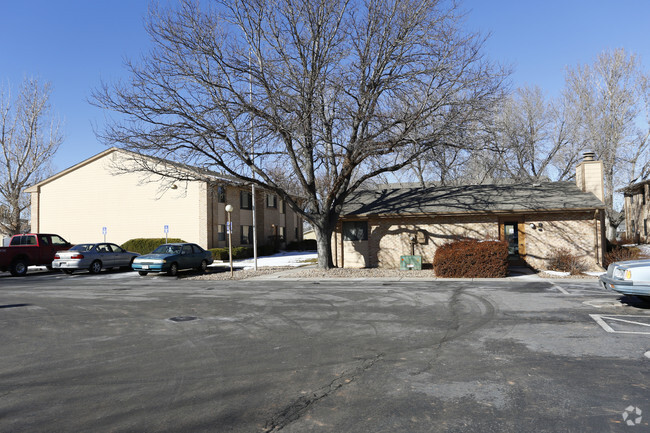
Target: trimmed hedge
x: 471, y: 259
x: 304, y: 245
x: 146, y: 245
x: 242, y: 252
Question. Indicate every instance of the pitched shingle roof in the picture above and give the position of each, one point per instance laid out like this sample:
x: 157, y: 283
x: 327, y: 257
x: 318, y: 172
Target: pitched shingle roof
x: 521, y: 197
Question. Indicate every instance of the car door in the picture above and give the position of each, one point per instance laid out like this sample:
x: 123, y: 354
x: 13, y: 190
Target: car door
x: 105, y: 254
x: 119, y: 258
x: 185, y: 260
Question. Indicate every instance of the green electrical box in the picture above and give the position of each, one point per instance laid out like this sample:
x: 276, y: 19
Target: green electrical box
x: 410, y: 263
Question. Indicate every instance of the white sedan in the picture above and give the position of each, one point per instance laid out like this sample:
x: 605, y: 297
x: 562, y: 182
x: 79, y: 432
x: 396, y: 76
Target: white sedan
x: 93, y: 257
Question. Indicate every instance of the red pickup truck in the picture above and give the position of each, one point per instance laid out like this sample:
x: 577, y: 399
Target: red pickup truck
x: 30, y: 249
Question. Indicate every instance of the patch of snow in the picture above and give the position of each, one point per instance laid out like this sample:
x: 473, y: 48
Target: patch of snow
x: 281, y: 259
x: 557, y: 273
x: 595, y: 274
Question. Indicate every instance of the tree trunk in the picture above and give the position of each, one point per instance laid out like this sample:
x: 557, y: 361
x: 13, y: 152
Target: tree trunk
x: 324, y: 244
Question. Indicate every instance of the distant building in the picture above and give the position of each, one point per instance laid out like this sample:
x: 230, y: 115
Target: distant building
x: 82, y: 201
x: 378, y: 226
x: 636, y: 211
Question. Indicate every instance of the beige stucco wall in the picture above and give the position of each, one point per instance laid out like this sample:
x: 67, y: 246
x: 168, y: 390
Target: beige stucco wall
x: 389, y: 238
x: 579, y: 233
x: 78, y: 204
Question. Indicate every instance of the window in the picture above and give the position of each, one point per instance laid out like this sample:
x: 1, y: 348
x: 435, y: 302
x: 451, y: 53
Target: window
x: 271, y: 200
x: 23, y: 240
x: 221, y: 232
x: 56, y: 240
x: 246, y: 235
x: 355, y: 230
x: 221, y: 194
x: 187, y: 249
x: 645, y: 227
x: 197, y: 249
x: 281, y: 232
x: 283, y: 207
x: 296, y: 233
x: 246, y: 200
x: 633, y: 228
x: 44, y: 240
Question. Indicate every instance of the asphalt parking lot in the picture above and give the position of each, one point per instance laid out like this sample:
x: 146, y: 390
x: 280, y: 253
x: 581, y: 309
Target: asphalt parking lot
x: 122, y: 353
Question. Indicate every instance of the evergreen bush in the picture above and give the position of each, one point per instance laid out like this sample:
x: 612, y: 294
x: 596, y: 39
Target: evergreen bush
x: 147, y: 245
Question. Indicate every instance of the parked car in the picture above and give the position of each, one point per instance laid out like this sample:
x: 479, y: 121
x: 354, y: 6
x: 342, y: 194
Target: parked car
x: 630, y: 277
x: 93, y: 257
x: 171, y: 258
x: 30, y: 249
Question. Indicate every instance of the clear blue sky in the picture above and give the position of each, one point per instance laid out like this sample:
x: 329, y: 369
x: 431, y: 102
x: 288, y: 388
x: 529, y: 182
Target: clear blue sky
x: 76, y: 44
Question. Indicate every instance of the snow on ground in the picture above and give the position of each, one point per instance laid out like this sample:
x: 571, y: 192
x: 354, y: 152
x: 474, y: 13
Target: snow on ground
x: 281, y: 259
x: 645, y: 249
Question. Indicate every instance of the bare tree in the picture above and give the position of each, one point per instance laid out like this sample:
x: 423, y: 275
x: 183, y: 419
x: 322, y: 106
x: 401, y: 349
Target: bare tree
x: 335, y: 92
x: 609, y: 98
x: 29, y: 138
x: 534, y: 138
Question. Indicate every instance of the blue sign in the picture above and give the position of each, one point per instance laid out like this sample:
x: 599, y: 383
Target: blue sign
x: 103, y: 230
x: 166, y: 228
x: 228, y: 227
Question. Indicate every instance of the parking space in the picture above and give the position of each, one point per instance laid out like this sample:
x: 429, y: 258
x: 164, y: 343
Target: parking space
x: 119, y: 352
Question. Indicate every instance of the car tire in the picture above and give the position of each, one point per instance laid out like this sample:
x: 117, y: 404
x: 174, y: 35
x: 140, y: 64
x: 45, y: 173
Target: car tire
x: 95, y: 267
x: 143, y: 273
x: 173, y: 269
x: 203, y: 266
x: 67, y: 271
x: 18, y: 268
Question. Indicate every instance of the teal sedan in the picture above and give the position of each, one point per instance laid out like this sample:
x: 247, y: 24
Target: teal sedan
x: 171, y: 258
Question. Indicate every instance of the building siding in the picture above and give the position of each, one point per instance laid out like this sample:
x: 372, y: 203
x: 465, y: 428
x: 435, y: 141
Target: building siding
x: 389, y: 238
x: 78, y: 204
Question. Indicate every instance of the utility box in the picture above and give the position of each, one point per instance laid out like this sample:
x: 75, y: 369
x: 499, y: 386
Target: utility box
x: 410, y: 263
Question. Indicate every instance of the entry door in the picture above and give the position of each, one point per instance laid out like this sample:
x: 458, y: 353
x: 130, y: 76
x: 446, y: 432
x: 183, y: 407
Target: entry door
x: 512, y: 238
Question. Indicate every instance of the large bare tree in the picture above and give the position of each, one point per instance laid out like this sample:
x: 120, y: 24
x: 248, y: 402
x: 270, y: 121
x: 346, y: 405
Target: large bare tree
x: 29, y: 138
x: 335, y: 92
x: 534, y: 137
x: 610, y: 98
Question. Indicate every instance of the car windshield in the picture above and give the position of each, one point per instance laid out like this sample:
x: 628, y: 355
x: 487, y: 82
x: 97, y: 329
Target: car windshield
x: 167, y: 249
x: 82, y: 247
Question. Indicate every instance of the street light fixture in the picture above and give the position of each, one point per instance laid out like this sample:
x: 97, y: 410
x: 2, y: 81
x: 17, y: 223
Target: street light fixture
x: 229, y: 229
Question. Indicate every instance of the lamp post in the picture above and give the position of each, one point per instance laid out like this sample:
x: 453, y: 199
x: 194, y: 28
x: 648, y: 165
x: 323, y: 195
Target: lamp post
x: 229, y: 227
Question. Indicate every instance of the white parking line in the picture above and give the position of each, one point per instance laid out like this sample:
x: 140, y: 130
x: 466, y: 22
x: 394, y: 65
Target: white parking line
x: 600, y: 319
x: 559, y: 288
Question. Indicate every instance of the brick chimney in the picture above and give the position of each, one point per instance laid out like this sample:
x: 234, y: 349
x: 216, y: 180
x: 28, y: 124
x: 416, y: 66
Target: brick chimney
x: 589, y: 175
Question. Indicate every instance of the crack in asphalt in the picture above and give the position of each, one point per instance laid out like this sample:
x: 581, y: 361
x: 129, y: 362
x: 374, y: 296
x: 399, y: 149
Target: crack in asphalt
x: 455, y: 329
x: 293, y: 411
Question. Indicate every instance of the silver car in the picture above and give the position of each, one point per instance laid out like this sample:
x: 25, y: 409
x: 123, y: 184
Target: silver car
x: 93, y: 257
x: 630, y: 277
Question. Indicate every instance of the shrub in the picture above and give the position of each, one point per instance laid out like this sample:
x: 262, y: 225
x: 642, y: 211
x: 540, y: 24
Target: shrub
x: 471, y: 259
x: 618, y: 254
x: 563, y: 260
x: 146, y: 245
x: 242, y: 252
x: 304, y: 245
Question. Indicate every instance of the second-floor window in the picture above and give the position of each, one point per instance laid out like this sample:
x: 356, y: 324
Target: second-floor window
x: 221, y: 232
x: 221, y: 194
x: 271, y: 200
x: 246, y: 200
